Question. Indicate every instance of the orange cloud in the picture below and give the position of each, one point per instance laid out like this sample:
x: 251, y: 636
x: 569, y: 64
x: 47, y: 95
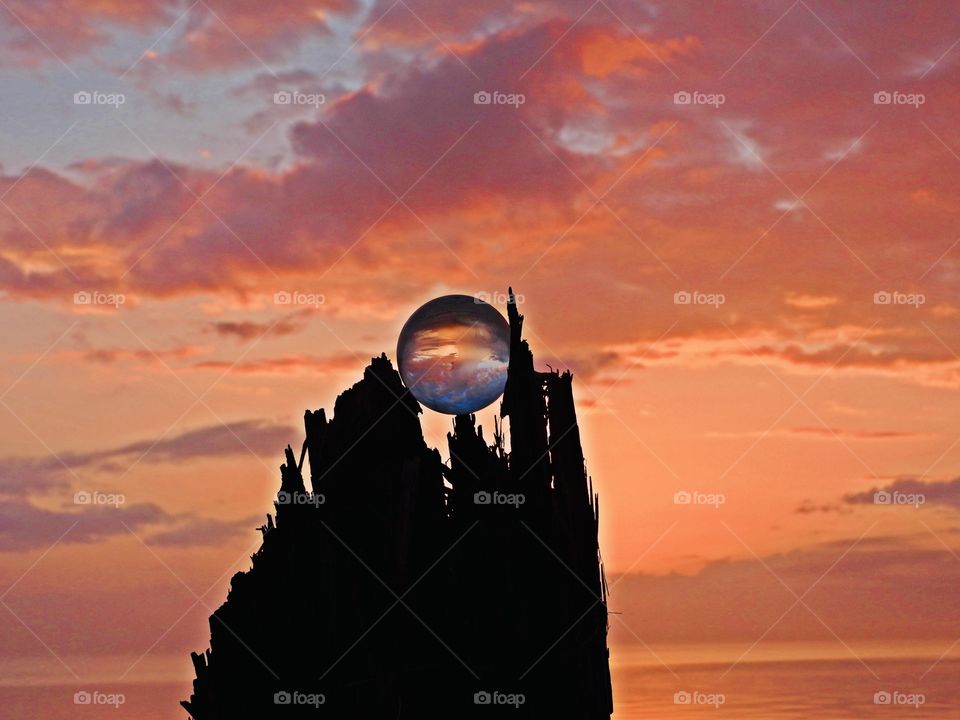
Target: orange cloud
x: 603, y: 53
x: 290, y: 364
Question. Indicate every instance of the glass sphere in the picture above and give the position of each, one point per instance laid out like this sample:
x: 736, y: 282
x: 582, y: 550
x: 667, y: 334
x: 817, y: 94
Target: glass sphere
x: 453, y: 354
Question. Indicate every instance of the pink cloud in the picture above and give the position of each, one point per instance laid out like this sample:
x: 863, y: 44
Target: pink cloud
x: 504, y: 193
x: 208, y: 35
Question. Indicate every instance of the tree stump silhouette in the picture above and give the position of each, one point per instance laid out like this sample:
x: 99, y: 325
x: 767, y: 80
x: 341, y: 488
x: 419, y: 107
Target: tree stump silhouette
x: 402, y: 587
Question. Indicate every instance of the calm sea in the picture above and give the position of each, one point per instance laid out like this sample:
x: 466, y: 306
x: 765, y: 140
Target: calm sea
x: 833, y: 689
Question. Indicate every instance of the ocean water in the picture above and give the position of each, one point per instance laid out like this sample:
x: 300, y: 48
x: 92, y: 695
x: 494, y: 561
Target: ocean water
x: 141, y: 701
x: 832, y: 689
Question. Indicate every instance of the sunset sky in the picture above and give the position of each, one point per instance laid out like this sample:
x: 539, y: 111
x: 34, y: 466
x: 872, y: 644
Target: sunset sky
x: 736, y: 222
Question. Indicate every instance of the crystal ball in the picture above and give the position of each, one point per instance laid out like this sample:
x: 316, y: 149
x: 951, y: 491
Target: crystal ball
x: 453, y: 354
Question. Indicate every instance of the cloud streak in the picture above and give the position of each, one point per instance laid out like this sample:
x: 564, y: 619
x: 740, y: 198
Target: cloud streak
x: 24, y: 526
x: 905, y: 589
x: 23, y: 476
x: 946, y: 492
